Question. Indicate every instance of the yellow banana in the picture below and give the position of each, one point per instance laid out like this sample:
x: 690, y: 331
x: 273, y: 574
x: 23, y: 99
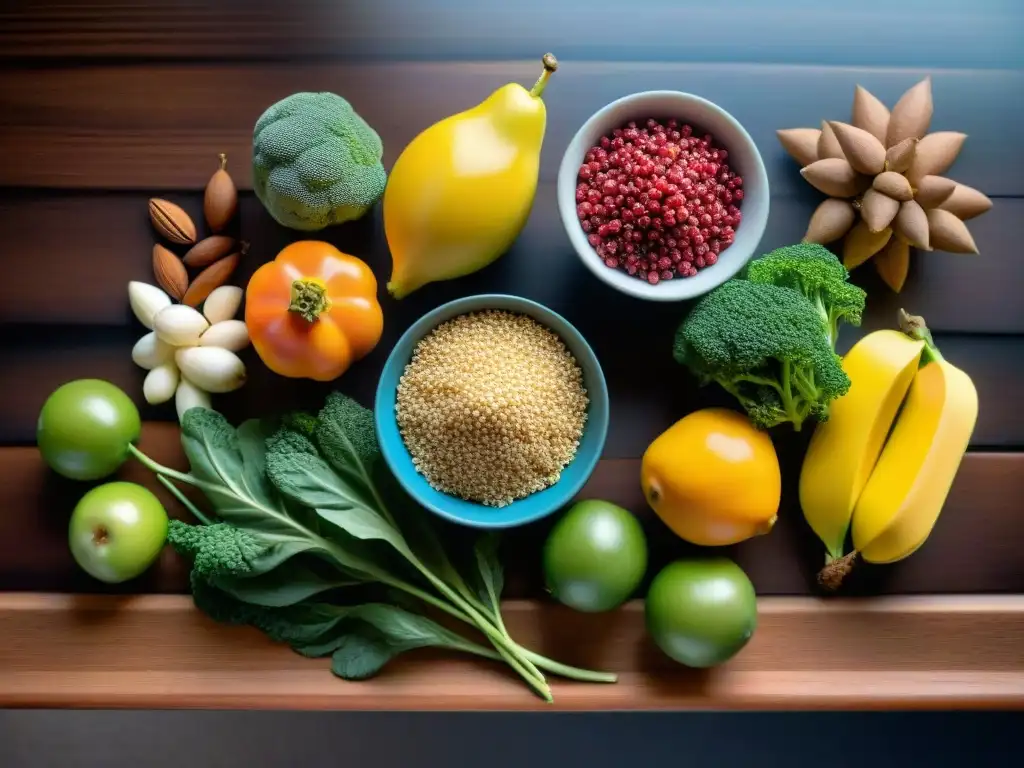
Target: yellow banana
x: 843, y: 450
x: 907, y: 490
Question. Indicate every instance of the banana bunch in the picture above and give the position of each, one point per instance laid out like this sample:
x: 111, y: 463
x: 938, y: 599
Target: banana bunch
x: 882, y: 465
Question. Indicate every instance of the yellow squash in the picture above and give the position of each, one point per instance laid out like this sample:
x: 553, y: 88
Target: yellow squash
x: 461, y: 191
x: 843, y: 450
x: 713, y: 478
x: 905, y: 494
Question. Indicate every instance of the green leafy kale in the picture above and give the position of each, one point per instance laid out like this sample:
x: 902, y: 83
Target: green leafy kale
x: 766, y: 345
x: 818, y: 274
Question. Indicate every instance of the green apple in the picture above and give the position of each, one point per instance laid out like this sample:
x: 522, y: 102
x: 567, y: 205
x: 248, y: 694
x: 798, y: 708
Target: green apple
x: 117, y: 530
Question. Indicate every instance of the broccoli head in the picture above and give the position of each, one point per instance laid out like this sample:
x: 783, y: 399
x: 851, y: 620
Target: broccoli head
x: 316, y: 162
x: 818, y: 274
x: 764, y: 344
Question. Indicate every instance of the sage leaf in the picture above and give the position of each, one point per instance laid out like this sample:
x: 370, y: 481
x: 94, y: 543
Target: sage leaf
x: 290, y: 583
x: 306, y: 478
x: 361, y: 654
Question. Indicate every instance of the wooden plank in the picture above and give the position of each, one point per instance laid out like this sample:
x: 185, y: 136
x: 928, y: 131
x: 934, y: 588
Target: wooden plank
x: 950, y: 34
x: 897, y: 653
x: 972, y: 549
x: 76, y: 254
x: 647, y: 388
x: 160, y: 126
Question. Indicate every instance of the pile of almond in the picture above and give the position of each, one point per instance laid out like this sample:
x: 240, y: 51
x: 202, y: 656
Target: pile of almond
x: 191, y: 352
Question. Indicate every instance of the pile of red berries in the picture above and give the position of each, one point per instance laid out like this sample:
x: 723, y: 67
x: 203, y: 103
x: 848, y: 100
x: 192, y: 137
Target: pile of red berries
x: 658, y: 202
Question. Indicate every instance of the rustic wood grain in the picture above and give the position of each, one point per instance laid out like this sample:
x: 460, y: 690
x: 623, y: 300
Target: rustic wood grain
x: 161, y: 126
x: 972, y: 549
x: 951, y: 34
x: 77, y: 252
x: 158, y: 651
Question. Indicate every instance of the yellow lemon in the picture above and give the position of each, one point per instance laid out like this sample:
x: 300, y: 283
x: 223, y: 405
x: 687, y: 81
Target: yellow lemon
x: 713, y: 478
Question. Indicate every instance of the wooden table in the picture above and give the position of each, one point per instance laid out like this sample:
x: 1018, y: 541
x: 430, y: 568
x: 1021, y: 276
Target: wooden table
x: 103, y: 105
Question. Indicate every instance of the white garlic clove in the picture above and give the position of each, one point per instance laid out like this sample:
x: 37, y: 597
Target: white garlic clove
x: 222, y: 303
x: 213, y: 369
x: 151, y: 351
x: 180, y: 325
x: 188, y: 395
x: 160, y: 383
x: 228, y: 334
x: 146, y: 300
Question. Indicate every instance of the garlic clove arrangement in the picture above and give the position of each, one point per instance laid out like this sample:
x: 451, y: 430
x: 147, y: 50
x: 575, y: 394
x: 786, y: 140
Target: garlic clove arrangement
x: 160, y: 383
x: 188, y: 395
x: 213, y: 369
x: 146, y: 301
x: 151, y: 351
x: 222, y: 303
x: 180, y: 325
x: 232, y: 335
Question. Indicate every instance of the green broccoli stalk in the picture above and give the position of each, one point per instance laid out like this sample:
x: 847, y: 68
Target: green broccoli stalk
x: 765, y: 345
x: 818, y: 274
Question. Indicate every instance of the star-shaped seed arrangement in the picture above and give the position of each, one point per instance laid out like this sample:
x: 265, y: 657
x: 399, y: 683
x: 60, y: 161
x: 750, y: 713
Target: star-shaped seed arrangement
x: 882, y: 173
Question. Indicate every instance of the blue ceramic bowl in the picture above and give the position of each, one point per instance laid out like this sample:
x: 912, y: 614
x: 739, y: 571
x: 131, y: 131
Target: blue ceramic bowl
x: 521, y: 511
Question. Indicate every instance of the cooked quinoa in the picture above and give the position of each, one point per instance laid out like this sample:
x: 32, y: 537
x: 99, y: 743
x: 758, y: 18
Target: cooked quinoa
x: 491, y: 406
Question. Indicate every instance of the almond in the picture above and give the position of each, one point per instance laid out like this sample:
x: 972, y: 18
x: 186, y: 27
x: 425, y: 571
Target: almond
x: 912, y: 115
x: 899, y: 157
x: 828, y: 144
x: 835, y: 177
x: 208, y: 250
x: 893, y: 263
x: 965, y: 202
x: 169, y: 272
x: 948, y: 233
x: 870, y: 114
x: 214, y: 276
x: 912, y: 225
x: 830, y: 221
x: 932, y: 191
x: 800, y: 143
x: 893, y: 184
x: 865, y: 153
x: 172, y: 222
x: 861, y: 244
x: 878, y: 210
x: 936, y: 152
x: 220, y: 200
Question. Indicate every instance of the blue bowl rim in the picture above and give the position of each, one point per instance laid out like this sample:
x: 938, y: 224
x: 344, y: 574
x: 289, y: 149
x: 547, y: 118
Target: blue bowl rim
x: 420, y: 328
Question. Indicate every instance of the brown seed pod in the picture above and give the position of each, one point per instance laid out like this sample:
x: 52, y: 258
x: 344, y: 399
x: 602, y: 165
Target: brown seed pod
x: 835, y: 177
x: 893, y: 263
x: 878, y: 210
x: 870, y: 114
x: 948, y: 233
x: 800, y: 143
x: 863, y: 151
x: 966, y: 202
x: 893, y: 184
x: 912, y: 114
x: 899, y: 157
x: 220, y: 201
x: 860, y: 244
x: 936, y: 152
x: 214, y: 276
x: 169, y: 272
x: 912, y: 225
x: 208, y: 250
x: 830, y: 221
x: 171, y: 221
x: 828, y: 144
x: 932, y: 191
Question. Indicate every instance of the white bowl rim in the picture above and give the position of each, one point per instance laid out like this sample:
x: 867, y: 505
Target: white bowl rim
x: 680, y: 290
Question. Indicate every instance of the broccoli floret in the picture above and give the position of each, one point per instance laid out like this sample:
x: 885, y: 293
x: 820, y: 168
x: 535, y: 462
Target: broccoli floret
x: 818, y: 274
x: 316, y: 162
x: 215, y: 550
x: 765, y: 345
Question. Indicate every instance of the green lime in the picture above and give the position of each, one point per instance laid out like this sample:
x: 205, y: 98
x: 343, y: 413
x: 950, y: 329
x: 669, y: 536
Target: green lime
x: 701, y: 612
x: 595, y: 556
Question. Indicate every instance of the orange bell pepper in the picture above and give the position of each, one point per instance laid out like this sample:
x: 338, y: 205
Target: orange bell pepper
x: 313, y: 311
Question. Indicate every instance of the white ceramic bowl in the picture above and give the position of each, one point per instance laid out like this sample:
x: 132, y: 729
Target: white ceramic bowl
x: 744, y: 159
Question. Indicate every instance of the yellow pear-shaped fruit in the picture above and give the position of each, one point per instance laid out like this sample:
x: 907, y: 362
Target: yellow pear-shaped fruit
x: 713, y: 478
x: 461, y: 191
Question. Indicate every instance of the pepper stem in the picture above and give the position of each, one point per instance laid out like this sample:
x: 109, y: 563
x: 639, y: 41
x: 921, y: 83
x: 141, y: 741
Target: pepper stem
x: 914, y: 326
x: 550, y: 65
x: 309, y: 299
x: 223, y: 161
